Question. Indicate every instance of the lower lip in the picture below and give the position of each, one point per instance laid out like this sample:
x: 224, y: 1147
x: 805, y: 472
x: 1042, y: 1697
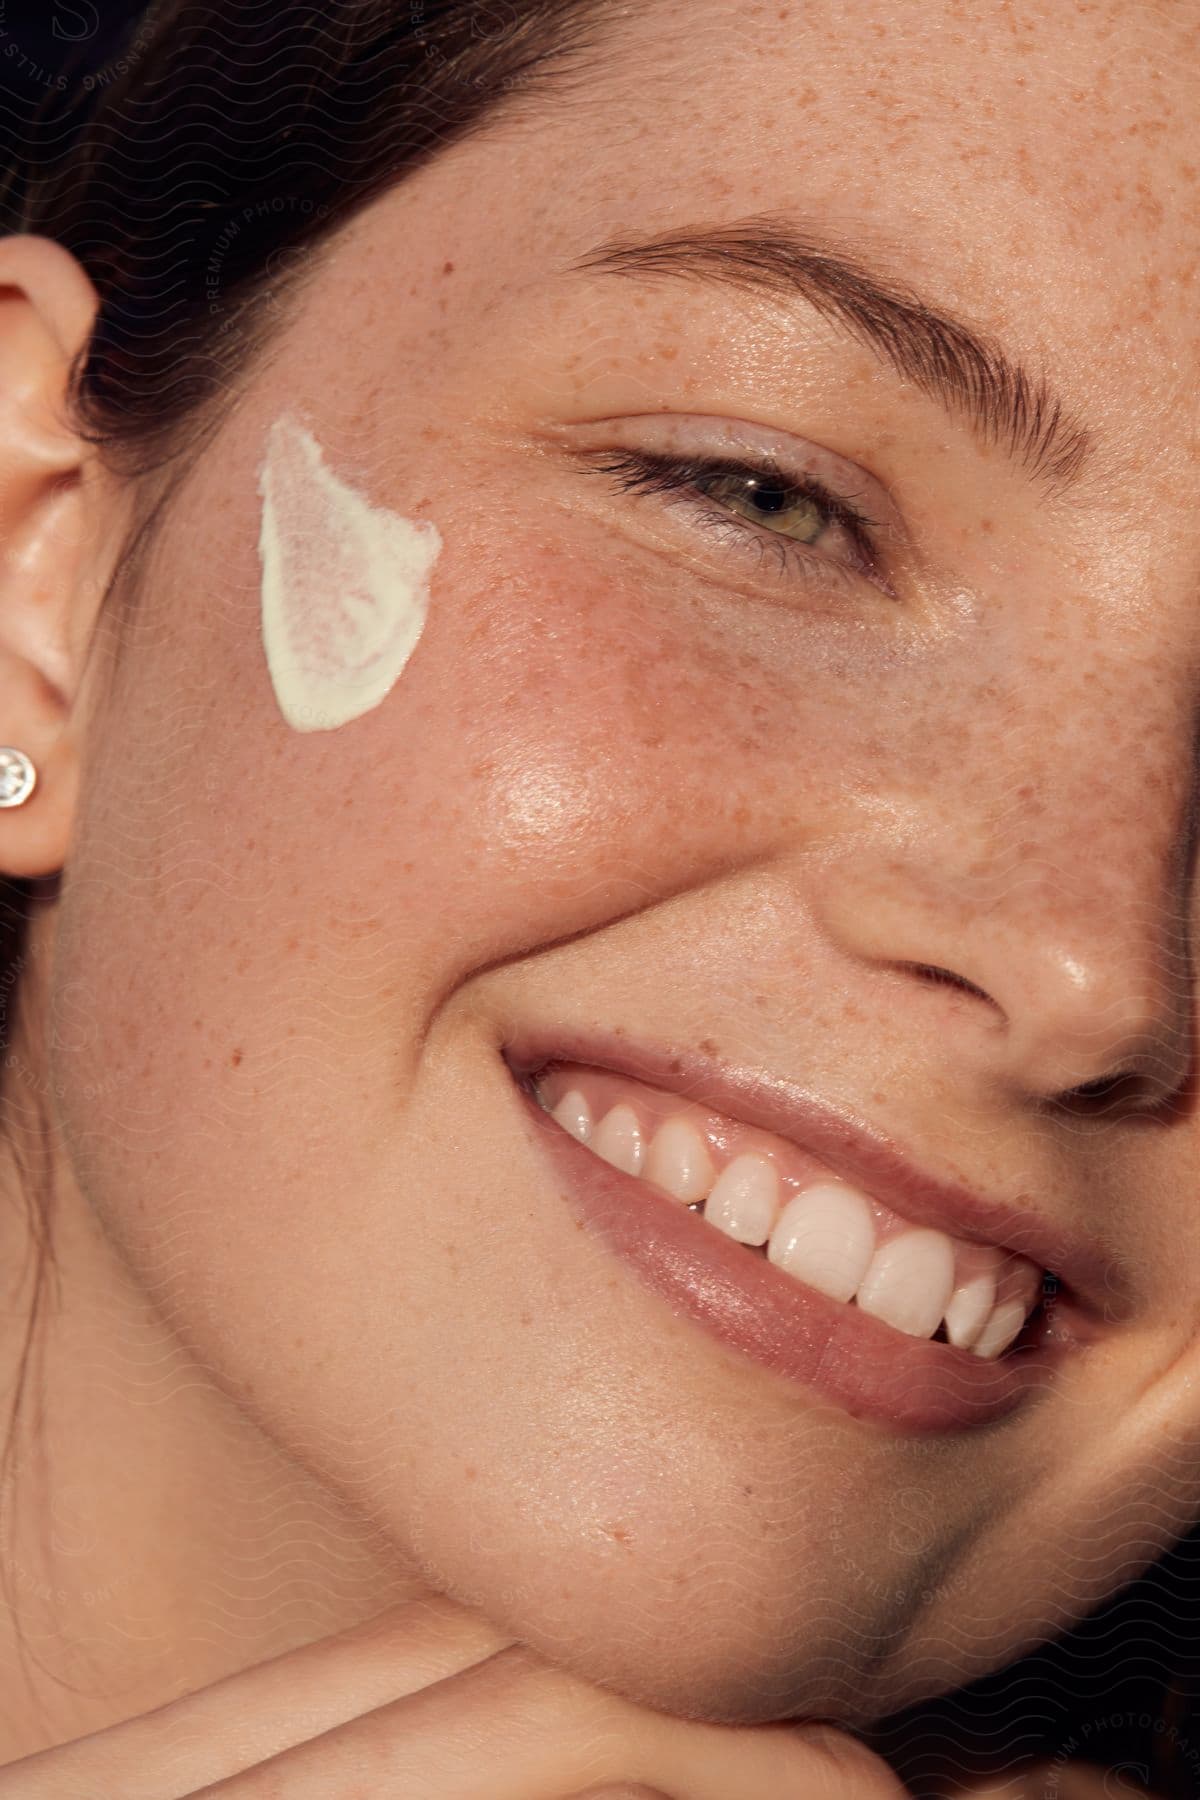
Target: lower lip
x: 743, y: 1301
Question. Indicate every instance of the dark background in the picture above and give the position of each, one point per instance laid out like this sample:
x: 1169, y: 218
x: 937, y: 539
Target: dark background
x: 43, y: 41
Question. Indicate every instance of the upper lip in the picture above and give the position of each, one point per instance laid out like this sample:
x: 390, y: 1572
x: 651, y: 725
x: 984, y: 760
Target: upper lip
x: 861, y: 1154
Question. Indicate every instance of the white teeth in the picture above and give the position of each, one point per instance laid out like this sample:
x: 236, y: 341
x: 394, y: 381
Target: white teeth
x: 969, y: 1309
x: 909, y: 1282
x: 1000, y: 1329
x: 825, y: 1237
x: 574, y: 1115
x: 1023, y: 1282
x: 678, y: 1160
x: 744, y: 1199
x: 618, y: 1139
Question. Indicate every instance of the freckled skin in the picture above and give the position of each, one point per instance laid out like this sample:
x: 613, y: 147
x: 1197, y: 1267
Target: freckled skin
x: 631, y: 778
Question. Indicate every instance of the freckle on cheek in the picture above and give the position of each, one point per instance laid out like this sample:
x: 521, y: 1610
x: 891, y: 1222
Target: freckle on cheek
x: 345, y: 585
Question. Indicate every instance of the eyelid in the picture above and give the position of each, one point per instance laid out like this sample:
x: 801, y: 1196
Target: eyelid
x: 676, y: 480
x: 696, y: 435
x: 707, y: 442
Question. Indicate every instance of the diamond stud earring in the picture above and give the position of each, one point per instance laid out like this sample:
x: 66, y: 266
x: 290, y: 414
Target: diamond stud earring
x: 18, y: 777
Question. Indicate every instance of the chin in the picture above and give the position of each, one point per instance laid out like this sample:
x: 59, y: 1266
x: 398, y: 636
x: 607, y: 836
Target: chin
x: 723, y: 1656
x: 710, y: 1678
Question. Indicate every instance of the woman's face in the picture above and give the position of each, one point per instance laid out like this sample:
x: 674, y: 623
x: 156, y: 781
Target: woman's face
x: 703, y: 788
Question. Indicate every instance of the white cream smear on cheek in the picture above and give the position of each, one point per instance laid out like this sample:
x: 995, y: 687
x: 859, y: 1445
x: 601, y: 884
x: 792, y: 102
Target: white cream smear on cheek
x: 345, y: 585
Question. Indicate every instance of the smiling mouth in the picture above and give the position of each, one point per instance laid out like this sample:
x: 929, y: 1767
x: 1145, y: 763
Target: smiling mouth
x: 785, y: 1206
x: 804, y: 1239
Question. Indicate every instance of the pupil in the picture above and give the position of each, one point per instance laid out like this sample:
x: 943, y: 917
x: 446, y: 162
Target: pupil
x: 768, y: 499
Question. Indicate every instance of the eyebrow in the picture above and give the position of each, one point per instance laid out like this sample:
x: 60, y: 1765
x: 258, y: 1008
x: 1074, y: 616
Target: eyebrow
x: 965, y: 370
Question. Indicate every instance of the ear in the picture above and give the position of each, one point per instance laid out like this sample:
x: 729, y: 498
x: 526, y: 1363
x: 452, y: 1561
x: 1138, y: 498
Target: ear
x: 48, y: 504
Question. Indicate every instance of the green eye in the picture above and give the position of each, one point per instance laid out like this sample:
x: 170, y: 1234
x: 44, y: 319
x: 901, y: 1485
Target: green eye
x: 813, y: 532
x: 778, y: 505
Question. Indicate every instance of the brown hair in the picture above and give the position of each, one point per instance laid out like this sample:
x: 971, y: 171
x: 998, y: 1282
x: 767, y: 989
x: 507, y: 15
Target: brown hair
x: 243, y: 134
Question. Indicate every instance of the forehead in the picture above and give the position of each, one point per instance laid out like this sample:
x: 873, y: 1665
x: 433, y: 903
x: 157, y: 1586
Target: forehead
x: 1035, y: 167
x: 1038, y: 97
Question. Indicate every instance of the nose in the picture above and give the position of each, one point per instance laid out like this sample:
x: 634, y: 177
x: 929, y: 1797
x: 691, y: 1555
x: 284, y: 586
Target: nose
x: 1068, y: 928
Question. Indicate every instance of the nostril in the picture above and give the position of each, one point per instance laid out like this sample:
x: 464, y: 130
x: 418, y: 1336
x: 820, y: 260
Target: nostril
x: 1099, y: 1089
x: 946, y: 978
x: 1125, y: 1091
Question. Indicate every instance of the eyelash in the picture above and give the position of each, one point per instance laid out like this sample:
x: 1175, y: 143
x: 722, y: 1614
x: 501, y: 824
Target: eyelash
x: 651, y: 472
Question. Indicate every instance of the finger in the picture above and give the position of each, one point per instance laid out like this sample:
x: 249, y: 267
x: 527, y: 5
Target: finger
x: 252, y: 1716
x: 515, y: 1728
x: 626, y: 1791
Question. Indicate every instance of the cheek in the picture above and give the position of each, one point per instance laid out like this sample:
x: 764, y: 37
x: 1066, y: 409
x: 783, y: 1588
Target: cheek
x: 252, y: 912
x: 251, y: 908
